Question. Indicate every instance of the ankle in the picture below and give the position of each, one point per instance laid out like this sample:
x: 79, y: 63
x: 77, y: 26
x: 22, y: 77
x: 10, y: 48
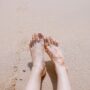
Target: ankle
x: 60, y: 67
x: 59, y: 62
x: 37, y: 69
x: 61, y: 71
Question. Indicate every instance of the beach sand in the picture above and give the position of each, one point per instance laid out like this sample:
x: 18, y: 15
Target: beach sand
x: 67, y: 21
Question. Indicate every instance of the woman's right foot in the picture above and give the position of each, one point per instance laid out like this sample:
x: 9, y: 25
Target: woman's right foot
x: 53, y: 50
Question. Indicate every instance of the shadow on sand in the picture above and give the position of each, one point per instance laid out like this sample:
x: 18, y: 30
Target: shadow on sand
x: 51, y: 72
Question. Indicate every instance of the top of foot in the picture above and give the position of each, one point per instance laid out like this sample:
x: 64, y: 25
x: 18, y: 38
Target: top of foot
x: 53, y: 50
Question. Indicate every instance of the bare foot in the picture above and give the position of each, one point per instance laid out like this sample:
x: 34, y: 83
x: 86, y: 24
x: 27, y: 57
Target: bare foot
x: 53, y: 50
x: 37, y: 53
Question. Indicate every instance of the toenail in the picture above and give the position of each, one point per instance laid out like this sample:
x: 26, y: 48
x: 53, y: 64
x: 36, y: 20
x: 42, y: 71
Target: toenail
x: 40, y: 35
x: 46, y: 40
x: 56, y: 44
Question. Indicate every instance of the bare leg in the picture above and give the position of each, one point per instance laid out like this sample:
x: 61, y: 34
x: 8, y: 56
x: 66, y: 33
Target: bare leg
x: 38, y: 69
x: 52, y: 48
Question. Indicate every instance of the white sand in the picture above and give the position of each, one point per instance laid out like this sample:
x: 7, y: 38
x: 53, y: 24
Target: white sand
x: 67, y: 21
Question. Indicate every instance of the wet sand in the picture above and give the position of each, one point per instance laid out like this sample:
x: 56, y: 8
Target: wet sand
x: 67, y: 21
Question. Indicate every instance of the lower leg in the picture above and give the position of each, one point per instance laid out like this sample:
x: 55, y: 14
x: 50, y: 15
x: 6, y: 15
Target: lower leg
x: 35, y: 80
x: 53, y: 50
x: 63, y: 80
x: 38, y: 69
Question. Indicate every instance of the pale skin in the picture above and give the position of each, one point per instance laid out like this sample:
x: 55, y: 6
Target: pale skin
x: 37, y: 46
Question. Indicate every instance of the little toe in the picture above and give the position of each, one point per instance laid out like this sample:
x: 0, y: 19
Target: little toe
x: 41, y: 37
x: 31, y: 43
x: 56, y: 43
x: 34, y: 40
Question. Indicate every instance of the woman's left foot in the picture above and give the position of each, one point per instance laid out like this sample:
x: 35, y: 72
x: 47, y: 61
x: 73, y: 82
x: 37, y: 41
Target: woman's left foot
x: 37, y: 53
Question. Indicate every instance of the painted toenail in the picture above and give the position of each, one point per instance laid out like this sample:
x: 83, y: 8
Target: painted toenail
x: 40, y: 35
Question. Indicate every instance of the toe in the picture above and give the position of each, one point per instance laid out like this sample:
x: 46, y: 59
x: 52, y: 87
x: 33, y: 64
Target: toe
x: 31, y: 44
x: 40, y: 35
x: 35, y: 37
x: 49, y: 41
x: 46, y: 41
x: 53, y: 41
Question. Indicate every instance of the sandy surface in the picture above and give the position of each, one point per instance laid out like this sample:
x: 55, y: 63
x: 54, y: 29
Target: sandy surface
x: 67, y: 21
